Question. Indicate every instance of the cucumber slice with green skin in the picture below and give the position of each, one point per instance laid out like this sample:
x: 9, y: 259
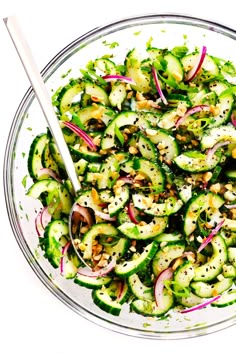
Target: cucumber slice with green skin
x: 218, y: 87
x: 209, y: 66
x: 48, y: 186
x: 215, y: 135
x: 214, y: 266
x: 150, y: 308
x: 232, y: 255
x: 91, y: 156
x: 194, y: 161
x: 109, y: 170
x: 92, y: 283
x: 68, y: 95
x: 35, y: 155
x: 197, y: 97
x: 174, y: 99
x: 225, y: 107
x: 103, y: 300
x: 152, y: 171
x: 183, y: 276
x: 120, y: 249
x: 55, y: 237
x: 127, y: 268
x: 191, y: 300
x: 147, y: 148
x: 229, y: 271
x: 56, y: 154
x: 166, y: 143
x: 166, y: 255
x: 226, y: 299
x: 118, y: 94
x: 133, y: 70
x: 106, y: 65
x: 206, y: 290
x: 81, y: 166
x: 119, y: 201
x: 170, y: 206
x: 196, y: 205
x: 97, y: 111
x: 121, y: 120
x: 139, y: 290
x: 123, y: 217
x: 94, y: 232
x: 97, y: 93
x: 174, y: 67
x: 169, y: 237
x: 90, y: 198
x: 106, y: 196
x: 47, y: 160
x: 168, y: 120
x: 137, y: 232
x: 71, y: 265
x: 231, y: 174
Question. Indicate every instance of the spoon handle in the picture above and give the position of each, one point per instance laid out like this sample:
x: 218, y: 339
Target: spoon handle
x: 42, y: 94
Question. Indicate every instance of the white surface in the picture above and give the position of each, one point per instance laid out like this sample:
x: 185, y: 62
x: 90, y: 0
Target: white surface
x: 32, y: 320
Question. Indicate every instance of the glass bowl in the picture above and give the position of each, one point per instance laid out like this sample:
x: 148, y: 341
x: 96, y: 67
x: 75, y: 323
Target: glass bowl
x: 167, y: 30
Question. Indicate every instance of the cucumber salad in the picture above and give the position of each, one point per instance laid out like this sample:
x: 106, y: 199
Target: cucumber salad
x: 153, y: 140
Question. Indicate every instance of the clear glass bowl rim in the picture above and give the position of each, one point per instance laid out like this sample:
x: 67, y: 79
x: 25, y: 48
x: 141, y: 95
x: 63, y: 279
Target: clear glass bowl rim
x: 26, y: 101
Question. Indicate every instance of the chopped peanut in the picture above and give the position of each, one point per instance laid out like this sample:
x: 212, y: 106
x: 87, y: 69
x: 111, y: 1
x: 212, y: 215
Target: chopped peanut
x: 151, y: 132
x: 233, y: 153
x: 215, y: 188
x: 133, y: 150
x: 139, y: 177
x: 207, y: 176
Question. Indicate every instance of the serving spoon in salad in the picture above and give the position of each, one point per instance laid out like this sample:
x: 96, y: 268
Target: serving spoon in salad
x: 44, y: 100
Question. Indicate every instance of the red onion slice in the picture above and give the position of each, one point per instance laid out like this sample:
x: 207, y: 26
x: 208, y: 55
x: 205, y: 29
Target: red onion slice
x: 81, y: 134
x: 157, y: 83
x: 233, y: 119
x: 211, y: 151
x: 38, y: 225
x: 210, y: 236
x: 200, y: 306
x: 122, y: 78
x: 104, y: 215
x: 62, y: 260
x: 84, y: 213
x: 193, y: 72
x: 166, y: 274
x: 46, y: 217
x: 131, y: 213
x: 51, y: 173
x: 195, y: 109
x: 99, y: 273
x: 230, y: 206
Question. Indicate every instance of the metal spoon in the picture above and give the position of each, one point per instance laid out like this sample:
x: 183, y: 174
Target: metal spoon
x: 44, y: 99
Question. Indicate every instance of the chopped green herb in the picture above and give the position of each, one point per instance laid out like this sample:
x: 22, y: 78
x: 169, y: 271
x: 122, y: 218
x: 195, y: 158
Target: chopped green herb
x: 24, y: 180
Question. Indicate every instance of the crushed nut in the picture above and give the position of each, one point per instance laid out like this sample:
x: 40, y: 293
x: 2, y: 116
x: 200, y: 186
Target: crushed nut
x: 233, y: 153
x: 215, y: 188
x: 151, y: 132
x: 133, y: 150
x: 207, y: 176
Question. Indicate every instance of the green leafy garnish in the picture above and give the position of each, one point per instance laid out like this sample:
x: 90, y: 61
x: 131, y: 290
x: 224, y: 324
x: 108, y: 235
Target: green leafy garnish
x: 119, y: 135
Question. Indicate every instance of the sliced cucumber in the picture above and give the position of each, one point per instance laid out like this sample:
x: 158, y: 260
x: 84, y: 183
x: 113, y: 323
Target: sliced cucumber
x: 119, y: 201
x: 147, y: 148
x: 127, y: 268
x: 48, y: 186
x: 226, y: 299
x: 152, y: 171
x: 68, y: 96
x: 35, y: 155
x: 170, y: 206
x: 92, y: 282
x: 98, y: 111
x: 118, y: 94
x: 139, y: 290
x: 143, y: 232
x: 94, y: 232
x: 133, y: 70
x: 214, y: 266
x: 150, y: 308
x: 119, y: 250
x: 121, y: 120
x: 174, y: 67
x: 166, y: 255
x: 97, y: 93
x: 196, y: 205
x: 166, y: 143
x: 195, y: 162
x: 104, y: 301
x: 48, y: 161
x: 215, y: 135
x: 207, y: 290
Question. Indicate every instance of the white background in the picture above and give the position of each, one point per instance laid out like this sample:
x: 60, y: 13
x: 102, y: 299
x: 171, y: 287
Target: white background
x: 32, y: 320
